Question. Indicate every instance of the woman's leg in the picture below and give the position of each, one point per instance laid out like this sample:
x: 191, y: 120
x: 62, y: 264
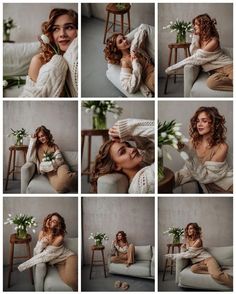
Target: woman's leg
x: 199, y: 268
x: 222, y: 79
x: 121, y: 258
x: 40, y: 272
x: 130, y: 254
x: 68, y: 272
x: 150, y: 81
x: 217, y: 274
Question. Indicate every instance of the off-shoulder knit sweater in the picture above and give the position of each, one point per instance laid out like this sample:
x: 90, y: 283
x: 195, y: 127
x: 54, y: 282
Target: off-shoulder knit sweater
x: 142, y: 132
x: 208, y: 60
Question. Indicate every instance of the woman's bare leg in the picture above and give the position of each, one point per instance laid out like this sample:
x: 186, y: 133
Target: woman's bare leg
x: 68, y: 272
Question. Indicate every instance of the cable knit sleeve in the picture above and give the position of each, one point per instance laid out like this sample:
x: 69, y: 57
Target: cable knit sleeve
x: 130, y: 79
x: 40, y: 246
x: 50, y: 81
x: 194, y: 44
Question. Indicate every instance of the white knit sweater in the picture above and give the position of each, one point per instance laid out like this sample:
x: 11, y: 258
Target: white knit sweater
x: 208, y: 60
x: 142, y: 132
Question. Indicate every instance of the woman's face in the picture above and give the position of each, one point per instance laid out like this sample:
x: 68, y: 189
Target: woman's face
x: 196, y: 27
x: 204, y: 124
x: 122, y: 43
x: 42, y: 137
x: 53, y: 222
x: 64, y: 31
x: 124, y: 156
x: 119, y: 237
x: 190, y: 231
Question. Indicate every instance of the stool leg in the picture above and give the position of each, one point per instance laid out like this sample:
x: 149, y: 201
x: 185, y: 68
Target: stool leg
x: 105, y: 33
x: 185, y: 52
x: 114, y: 23
x: 25, y: 153
x: 89, y: 156
x: 171, y: 264
x: 169, y: 63
x: 14, y: 164
x: 122, y: 23
x: 104, y: 266
x: 175, y: 63
x: 166, y: 265
x: 29, y: 256
x: 8, y: 169
x: 82, y: 148
x: 91, y: 266
x: 129, y: 21
x: 188, y: 52
x: 10, y: 264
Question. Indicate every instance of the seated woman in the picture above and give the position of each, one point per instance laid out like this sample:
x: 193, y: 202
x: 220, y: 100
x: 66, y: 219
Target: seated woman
x: 48, y: 158
x: 50, y: 249
x: 137, y: 69
x: 203, y: 262
x: 121, y: 250
x: 48, y: 74
x: 206, y: 51
x: 207, y: 153
x: 117, y: 155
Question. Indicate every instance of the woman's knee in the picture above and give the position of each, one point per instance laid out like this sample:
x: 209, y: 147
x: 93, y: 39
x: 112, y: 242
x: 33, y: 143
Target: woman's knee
x: 194, y: 268
x: 113, y: 258
x: 213, y: 82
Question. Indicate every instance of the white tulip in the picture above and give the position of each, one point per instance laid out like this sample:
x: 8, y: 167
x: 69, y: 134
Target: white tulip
x: 5, y: 83
x: 184, y: 155
x: 45, y: 39
x: 163, y: 135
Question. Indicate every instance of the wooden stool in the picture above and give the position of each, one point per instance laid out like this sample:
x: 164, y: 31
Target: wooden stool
x: 15, y: 240
x: 97, y: 248
x: 112, y: 8
x: 167, y: 184
x: 13, y: 150
x: 90, y: 134
x: 176, y: 46
x: 170, y: 247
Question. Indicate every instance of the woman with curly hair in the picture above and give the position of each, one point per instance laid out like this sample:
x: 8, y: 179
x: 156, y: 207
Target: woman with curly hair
x: 50, y: 249
x: 207, y: 153
x: 47, y: 75
x: 137, y: 69
x: 49, y: 160
x: 122, y: 251
x: 203, y: 262
x: 206, y: 51
x: 119, y: 156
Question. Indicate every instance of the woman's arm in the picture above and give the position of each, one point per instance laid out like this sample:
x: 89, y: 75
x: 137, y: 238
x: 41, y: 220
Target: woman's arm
x: 35, y: 65
x: 58, y: 241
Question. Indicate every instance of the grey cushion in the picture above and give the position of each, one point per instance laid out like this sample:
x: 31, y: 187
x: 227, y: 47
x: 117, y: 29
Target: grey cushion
x: 138, y: 269
x: 223, y: 255
x: 40, y: 184
x: 72, y: 244
x: 153, y: 262
x: 143, y: 252
x: 112, y: 183
x: 71, y: 158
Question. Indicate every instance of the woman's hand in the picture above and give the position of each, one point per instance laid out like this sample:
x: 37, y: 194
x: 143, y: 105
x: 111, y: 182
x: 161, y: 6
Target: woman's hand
x: 114, y: 133
x: 133, y: 55
x: 114, y: 242
x: 45, y: 240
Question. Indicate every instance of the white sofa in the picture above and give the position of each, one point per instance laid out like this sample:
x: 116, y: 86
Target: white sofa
x: 16, y: 61
x: 144, y: 266
x: 187, y: 279
x: 52, y: 281
x: 113, y: 70
x: 33, y: 183
x: 195, y: 81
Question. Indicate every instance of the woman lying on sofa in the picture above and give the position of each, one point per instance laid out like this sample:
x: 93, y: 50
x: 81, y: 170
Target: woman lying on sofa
x: 47, y: 75
x: 50, y: 249
x: 203, y: 262
x: 205, y: 51
x: 207, y: 153
x: 137, y: 69
x: 48, y: 158
x: 118, y: 155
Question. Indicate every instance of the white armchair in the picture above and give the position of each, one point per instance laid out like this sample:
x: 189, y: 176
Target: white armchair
x: 195, y: 81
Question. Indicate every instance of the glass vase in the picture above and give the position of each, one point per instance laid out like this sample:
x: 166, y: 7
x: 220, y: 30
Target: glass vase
x: 181, y: 37
x: 176, y: 239
x: 98, y: 242
x: 21, y: 233
x: 161, y: 173
x: 6, y: 37
x: 99, y: 122
x: 19, y: 141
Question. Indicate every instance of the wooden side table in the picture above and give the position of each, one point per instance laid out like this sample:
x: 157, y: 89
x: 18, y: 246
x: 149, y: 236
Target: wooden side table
x: 170, y: 248
x: 167, y: 184
x: 176, y: 46
x: 13, y: 149
x: 111, y: 8
x: 95, y: 248
x: 15, y: 240
x: 90, y: 134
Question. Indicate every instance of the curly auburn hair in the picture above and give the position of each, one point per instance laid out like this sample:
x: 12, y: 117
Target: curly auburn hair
x: 60, y: 230
x: 112, y: 53
x: 124, y: 236
x: 47, y: 133
x: 218, y: 129
x: 47, y: 29
x: 196, y: 233
x: 207, y: 27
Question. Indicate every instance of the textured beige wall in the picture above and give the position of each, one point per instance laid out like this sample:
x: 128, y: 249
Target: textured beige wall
x: 109, y: 215
x: 29, y: 16
x: 39, y: 207
x: 59, y: 116
x: 213, y: 214
x: 223, y: 12
x: 182, y: 111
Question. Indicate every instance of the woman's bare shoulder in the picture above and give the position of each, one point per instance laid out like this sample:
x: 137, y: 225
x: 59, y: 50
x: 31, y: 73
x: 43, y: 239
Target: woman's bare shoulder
x: 212, y: 45
x: 58, y: 241
x: 35, y: 65
x: 221, y: 152
x: 40, y: 235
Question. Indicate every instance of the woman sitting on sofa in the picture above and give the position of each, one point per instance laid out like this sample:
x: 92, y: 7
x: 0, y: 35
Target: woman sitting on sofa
x: 48, y: 158
x: 207, y: 153
x: 203, y: 261
x: 50, y: 249
x: 118, y: 155
x: 47, y: 75
x: 137, y: 69
x: 205, y: 51
x: 121, y: 250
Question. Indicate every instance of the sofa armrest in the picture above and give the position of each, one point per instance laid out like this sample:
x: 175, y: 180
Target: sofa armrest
x: 191, y: 73
x: 27, y: 172
x: 113, y: 183
x: 181, y: 263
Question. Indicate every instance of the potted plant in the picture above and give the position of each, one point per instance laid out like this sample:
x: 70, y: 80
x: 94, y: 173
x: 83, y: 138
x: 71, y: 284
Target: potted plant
x: 181, y: 27
x: 18, y: 135
x: 22, y: 222
x: 8, y: 25
x: 98, y: 238
x: 176, y: 233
